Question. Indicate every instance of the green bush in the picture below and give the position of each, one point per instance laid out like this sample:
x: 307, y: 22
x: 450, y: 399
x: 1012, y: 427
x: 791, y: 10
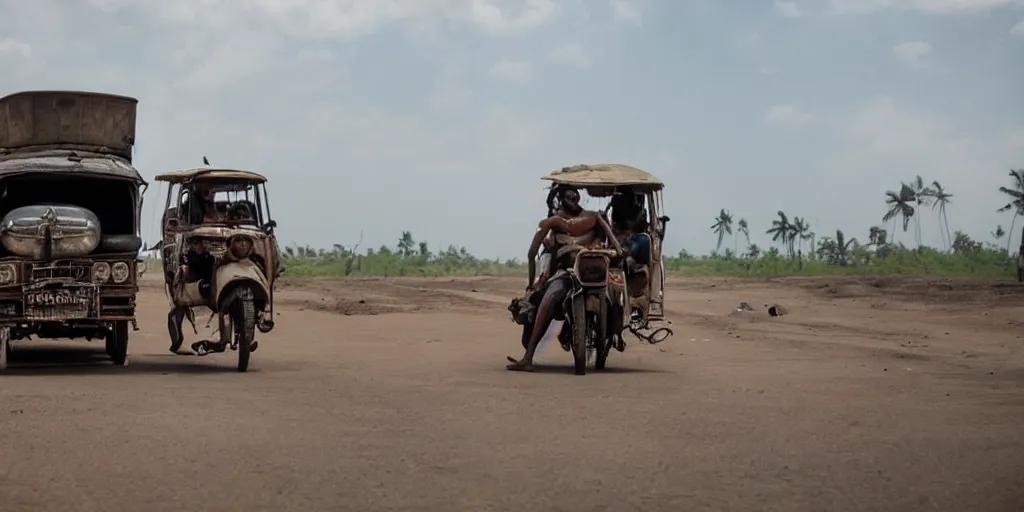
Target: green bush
x: 834, y: 256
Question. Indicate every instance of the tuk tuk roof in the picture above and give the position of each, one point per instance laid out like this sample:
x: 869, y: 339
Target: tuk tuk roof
x: 69, y: 163
x: 604, y: 175
x: 210, y: 173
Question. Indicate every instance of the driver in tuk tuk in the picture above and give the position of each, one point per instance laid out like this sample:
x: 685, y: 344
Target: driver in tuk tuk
x: 201, y: 209
x: 570, y: 225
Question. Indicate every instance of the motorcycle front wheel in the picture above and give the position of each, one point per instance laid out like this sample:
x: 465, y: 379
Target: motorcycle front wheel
x: 579, y: 334
x: 243, y: 319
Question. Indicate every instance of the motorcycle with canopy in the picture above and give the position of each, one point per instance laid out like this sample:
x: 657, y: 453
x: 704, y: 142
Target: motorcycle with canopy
x: 608, y: 295
x: 220, y: 252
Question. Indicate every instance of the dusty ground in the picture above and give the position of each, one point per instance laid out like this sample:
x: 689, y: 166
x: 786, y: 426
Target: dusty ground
x: 391, y: 395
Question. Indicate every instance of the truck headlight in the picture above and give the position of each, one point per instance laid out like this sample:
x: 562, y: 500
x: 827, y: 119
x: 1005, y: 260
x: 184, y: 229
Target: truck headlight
x: 100, y: 272
x: 7, y: 274
x: 119, y: 271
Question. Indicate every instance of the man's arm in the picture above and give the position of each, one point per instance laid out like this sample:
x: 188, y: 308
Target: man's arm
x: 608, y: 233
x: 543, y: 228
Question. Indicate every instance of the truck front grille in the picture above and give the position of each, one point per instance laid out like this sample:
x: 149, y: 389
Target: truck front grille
x: 70, y: 269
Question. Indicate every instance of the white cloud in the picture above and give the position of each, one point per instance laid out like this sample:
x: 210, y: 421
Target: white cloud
x: 626, y: 10
x: 9, y: 46
x: 787, y: 9
x: 925, y: 6
x: 569, y: 53
x: 519, y: 71
x: 913, y: 53
x: 788, y: 116
x: 345, y: 19
x: 1018, y: 29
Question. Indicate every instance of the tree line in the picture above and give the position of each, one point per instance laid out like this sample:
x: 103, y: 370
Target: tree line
x: 904, y: 206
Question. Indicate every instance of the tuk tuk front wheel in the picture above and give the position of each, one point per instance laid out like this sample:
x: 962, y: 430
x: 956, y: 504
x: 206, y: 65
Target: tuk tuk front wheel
x: 117, y: 342
x: 244, y: 325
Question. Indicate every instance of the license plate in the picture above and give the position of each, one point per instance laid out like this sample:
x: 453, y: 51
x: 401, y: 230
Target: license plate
x: 58, y: 304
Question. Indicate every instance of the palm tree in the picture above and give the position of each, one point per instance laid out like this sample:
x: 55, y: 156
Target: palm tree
x: 998, y: 233
x: 1016, y: 201
x: 744, y: 228
x: 722, y: 226
x: 877, y: 236
x: 922, y: 196
x: 941, y: 198
x: 780, y: 230
x: 837, y: 251
x: 900, y: 206
x: 799, y: 232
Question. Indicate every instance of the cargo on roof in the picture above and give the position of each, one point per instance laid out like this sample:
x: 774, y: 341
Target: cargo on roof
x: 209, y: 173
x: 76, y: 120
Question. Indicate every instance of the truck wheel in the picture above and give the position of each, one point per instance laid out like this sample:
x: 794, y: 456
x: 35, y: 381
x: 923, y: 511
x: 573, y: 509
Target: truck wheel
x: 117, y: 343
x: 5, y: 347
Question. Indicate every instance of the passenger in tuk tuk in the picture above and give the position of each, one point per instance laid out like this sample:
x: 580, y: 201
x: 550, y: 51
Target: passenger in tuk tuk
x: 629, y: 223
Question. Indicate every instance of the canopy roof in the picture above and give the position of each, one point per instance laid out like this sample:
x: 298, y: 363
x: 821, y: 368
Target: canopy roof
x: 210, y: 173
x: 604, y: 175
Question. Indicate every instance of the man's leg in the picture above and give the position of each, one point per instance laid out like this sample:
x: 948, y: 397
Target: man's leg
x: 553, y: 298
x: 174, y: 321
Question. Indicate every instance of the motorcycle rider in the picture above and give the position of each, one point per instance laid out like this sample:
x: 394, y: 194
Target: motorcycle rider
x: 572, y: 228
x: 196, y: 266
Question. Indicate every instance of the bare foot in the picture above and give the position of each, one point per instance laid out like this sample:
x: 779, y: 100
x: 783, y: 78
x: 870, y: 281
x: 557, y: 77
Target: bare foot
x: 518, y: 366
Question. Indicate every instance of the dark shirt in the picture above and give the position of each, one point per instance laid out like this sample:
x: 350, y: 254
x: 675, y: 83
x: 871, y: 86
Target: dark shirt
x: 195, y: 211
x: 199, y: 264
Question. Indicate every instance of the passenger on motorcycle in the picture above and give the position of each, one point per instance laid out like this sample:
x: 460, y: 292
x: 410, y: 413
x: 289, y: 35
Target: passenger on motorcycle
x: 629, y: 222
x: 571, y: 228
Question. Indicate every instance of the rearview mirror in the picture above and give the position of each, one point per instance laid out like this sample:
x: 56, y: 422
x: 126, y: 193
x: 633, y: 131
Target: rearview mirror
x: 661, y: 226
x: 269, y: 226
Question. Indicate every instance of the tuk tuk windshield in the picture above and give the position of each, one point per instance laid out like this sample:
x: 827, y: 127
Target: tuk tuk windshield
x: 222, y: 201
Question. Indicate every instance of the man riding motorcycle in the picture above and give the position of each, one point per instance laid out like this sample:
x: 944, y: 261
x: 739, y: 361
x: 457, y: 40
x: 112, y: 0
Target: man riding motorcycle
x: 572, y: 228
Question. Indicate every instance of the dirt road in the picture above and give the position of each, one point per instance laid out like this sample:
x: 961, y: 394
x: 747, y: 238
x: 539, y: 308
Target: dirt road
x: 392, y: 395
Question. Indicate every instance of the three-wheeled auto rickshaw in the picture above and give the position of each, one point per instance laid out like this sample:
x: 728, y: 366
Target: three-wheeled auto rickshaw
x: 220, y: 218
x: 609, y: 294
x: 70, y: 203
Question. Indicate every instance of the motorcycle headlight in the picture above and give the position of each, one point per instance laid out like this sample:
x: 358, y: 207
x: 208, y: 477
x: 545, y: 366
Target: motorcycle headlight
x: 100, y: 272
x: 240, y: 247
x: 119, y: 271
x: 7, y: 274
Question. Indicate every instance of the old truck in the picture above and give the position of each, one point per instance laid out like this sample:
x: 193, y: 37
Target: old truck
x: 70, y: 211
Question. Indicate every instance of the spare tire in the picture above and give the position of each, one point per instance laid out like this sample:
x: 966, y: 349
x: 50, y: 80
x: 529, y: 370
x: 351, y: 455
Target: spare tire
x: 119, y: 243
x: 23, y: 231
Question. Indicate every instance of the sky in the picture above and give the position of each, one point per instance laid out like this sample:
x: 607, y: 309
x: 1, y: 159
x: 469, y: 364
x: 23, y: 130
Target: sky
x: 439, y: 117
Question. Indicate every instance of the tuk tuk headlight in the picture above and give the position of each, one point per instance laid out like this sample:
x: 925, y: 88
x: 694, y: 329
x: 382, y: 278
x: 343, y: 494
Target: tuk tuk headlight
x: 100, y: 272
x: 240, y: 247
x: 119, y: 271
x: 8, y: 275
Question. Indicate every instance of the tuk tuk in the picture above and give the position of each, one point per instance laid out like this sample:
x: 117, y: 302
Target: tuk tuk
x: 609, y: 292
x: 221, y: 216
x: 70, y: 209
